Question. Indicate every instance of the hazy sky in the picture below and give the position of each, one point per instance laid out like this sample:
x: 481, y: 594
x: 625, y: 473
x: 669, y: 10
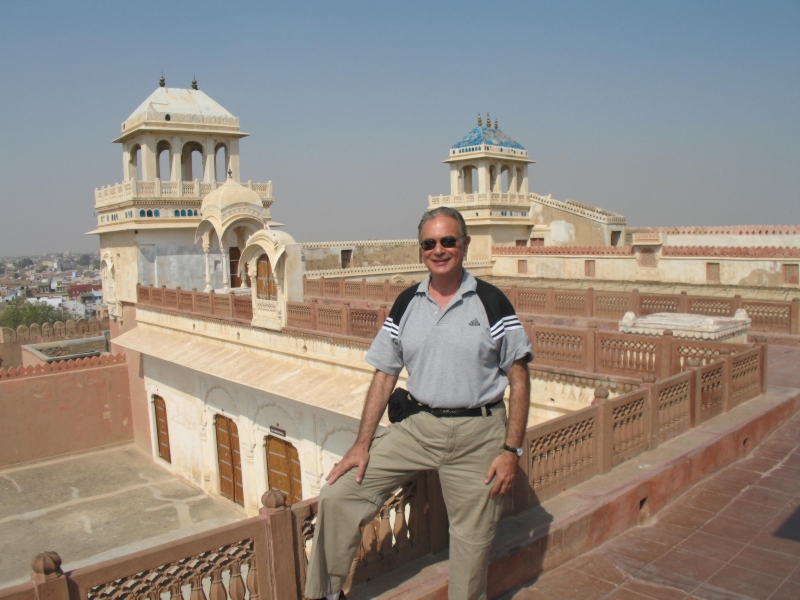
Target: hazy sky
x: 671, y: 113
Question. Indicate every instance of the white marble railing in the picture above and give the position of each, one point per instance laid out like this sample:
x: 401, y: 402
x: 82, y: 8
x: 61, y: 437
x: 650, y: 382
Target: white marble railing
x: 127, y: 190
x: 491, y: 199
x: 267, y: 314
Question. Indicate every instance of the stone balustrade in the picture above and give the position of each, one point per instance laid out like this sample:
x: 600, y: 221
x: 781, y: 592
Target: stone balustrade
x: 564, y: 250
x: 777, y: 317
x: 767, y: 252
x: 267, y: 555
x: 226, y: 306
x: 722, y: 230
x: 155, y: 190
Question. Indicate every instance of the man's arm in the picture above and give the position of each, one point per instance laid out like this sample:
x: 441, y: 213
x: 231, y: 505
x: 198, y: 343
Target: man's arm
x: 358, y: 456
x: 504, y: 467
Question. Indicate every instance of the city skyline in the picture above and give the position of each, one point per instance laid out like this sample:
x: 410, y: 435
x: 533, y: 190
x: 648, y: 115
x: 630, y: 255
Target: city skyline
x: 671, y: 114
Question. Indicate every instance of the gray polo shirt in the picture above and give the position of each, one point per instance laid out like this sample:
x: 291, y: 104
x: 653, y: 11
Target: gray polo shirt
x: 456, y: 358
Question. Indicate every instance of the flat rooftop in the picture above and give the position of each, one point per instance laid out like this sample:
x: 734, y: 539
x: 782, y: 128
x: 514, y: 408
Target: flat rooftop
x: 97, y: 505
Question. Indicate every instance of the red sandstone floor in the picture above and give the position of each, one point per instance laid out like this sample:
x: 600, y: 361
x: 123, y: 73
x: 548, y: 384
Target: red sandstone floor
x: 735, y: 535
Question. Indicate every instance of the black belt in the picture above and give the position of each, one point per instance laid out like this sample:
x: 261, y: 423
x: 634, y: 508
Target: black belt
x: 460, y: 412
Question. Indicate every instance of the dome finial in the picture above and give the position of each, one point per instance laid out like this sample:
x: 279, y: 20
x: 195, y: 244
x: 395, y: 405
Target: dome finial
x: 488, y: 121
x: 162, y: 82
x: 480, y: 121
x: 194, y: 82
x: 230, y: 174
x: 495, y: 122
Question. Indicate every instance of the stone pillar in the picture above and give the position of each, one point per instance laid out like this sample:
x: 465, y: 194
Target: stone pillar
x: 280, y: 537
x: 48, y: 578
x: 175, y: 171
x: 454, y: 180
x: 206, y: 252
x: 233, y: 160
x: 209, y: 161
x: 483, y: 177
x: 226, y: 267
x: 524, y: 184
x: 148, y: 158
x: 512, y: 179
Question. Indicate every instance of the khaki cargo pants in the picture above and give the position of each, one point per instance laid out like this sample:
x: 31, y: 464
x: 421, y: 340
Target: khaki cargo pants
x: 461, y: 449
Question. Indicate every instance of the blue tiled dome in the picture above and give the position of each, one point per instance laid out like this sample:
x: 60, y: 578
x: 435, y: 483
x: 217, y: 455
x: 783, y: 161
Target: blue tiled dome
x: 487, y: 135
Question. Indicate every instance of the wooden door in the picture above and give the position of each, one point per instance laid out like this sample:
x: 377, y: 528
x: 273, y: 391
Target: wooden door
x: 233, y: 259
x: 162, y: 429
x: 283, y: 469
x: 266, y: 288
x: 229, y: 459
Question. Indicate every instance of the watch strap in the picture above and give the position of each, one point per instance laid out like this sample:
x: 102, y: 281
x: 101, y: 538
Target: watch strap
x: 517, y: 451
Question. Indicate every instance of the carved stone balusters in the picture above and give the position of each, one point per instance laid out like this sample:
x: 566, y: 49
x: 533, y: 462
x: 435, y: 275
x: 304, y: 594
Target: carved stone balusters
x: 385, y: 530
x: 369, y: 542
x: 401, y: 540
x: 197, y: 587
x: 218, y: 591
x: 235, y: 585
x: 252, y: 579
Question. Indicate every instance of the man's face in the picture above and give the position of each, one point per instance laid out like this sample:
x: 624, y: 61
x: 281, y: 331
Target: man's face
x: 441, y: 260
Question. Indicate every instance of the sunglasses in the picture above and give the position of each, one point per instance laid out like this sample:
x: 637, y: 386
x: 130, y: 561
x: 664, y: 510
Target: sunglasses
x: 446, y: 242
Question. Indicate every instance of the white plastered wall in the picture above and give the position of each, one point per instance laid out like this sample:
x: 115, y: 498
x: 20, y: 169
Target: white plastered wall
x: 193, y: 399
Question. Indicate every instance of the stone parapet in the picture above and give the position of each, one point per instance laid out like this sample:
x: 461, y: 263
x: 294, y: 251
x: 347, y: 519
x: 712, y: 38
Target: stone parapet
x: 723, y: 230
x: 61, y: 366
x: 157, y: 190
x: 564, y: 250
x: 731, y: 251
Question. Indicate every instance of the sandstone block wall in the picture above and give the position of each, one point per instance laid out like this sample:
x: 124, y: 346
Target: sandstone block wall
x: 328, y: 255
x: 75, y: 409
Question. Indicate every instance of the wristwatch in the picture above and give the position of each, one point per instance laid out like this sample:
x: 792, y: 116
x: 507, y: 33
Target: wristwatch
x: 517, y: 451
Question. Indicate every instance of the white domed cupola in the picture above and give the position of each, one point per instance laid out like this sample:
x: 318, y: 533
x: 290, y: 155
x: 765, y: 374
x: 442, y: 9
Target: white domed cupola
x: 231, y: 213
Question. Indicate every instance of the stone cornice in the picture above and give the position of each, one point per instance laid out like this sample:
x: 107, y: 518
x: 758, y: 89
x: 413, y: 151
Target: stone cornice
x: 731, y: 251
x: 410, y: 242
x: 378, y: 270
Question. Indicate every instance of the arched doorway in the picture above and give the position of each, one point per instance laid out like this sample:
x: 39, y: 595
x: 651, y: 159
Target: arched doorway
x: 229, y: 459
x: 283, y: 469
x: 266, y: 286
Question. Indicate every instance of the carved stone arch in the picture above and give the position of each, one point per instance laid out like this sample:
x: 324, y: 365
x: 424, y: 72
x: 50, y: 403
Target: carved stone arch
x: 292, y: 418
x: 234, y: 405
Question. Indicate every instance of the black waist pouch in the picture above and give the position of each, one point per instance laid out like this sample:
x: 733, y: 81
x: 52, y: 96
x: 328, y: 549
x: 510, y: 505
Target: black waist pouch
x: 402, y: 405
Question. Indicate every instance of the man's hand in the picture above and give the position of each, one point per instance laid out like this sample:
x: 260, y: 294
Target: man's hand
x: 357, y: 456
x: 503, y: 470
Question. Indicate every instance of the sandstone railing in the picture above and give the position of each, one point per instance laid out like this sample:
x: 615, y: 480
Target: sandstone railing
x: 782, y: 317
x: 54, y: 331
x: 196, y: 189
x: 733, y: 251
x: 568, y: 450
x: 391, y: 539
x: 263, y: 557
x: 227, y: 306
x: 723, y: 230
x: 353, y: 290
x: 337, y: 319
x: 778, y: 317
x: 563, y: 250
x: 591, y: 350
x: 61, y: 366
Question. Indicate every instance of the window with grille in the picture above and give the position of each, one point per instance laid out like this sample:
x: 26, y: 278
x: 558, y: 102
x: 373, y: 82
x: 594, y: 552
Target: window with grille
x: 647, y: 258
x: 791, y: 274
x: 712, y: 272
x: 522, y: 267
x: 588, y: 268
x: 266, y: 286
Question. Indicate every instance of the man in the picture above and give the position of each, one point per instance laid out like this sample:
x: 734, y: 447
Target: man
x: 461, y: 344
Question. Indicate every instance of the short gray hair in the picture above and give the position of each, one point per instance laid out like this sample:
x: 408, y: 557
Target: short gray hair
x: 443, y: 211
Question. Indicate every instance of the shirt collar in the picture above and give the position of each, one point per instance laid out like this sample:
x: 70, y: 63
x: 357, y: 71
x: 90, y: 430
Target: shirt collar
x: 468, y: 284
